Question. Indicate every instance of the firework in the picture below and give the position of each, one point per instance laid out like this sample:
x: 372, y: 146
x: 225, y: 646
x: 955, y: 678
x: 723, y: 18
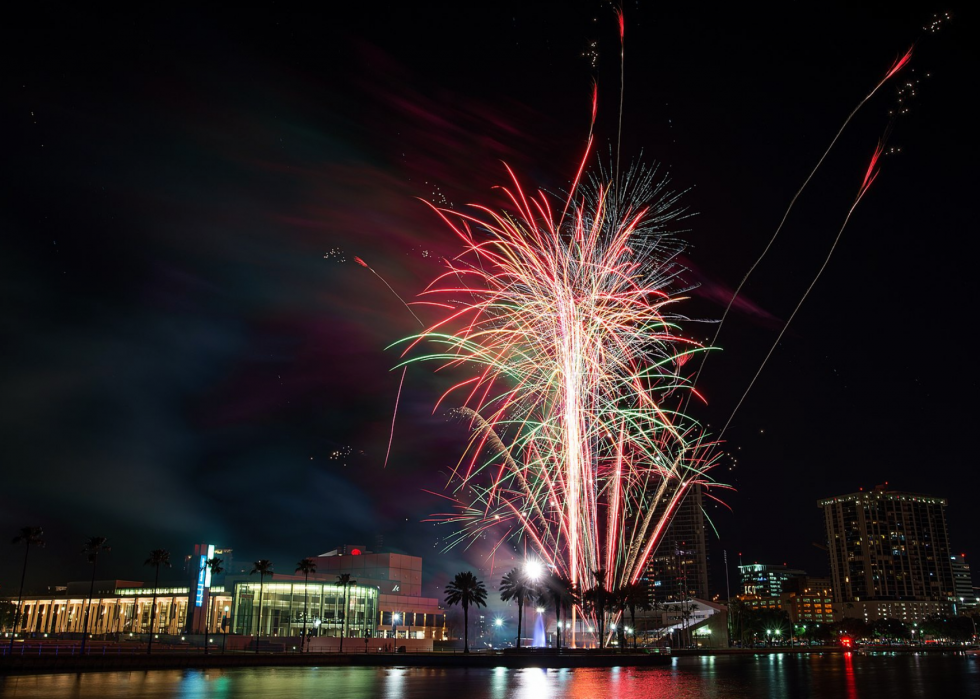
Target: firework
x: 565, y: 330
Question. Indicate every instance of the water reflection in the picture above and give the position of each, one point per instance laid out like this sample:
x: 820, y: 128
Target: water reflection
x: 723, y: 677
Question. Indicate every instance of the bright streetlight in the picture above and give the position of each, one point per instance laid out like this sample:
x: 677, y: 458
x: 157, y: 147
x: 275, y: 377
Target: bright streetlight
x: 533, y: 569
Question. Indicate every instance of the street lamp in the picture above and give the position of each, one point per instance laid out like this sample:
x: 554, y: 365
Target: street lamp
x: 533, y: 569
x: 395, y: 618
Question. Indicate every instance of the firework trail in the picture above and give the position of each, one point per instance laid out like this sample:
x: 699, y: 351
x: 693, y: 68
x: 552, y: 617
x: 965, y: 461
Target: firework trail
x: 622, y: 90
x: 869, y: 176
x: 368, y: 267
x: 565, y: 330
x: 895, y: 68
x: 401, y: 382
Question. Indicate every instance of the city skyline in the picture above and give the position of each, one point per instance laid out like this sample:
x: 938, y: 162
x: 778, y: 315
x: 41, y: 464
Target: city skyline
x: 189, y: 342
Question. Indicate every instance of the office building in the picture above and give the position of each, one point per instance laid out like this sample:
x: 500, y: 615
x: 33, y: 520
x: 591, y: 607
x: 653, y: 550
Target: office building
x: 765, y: 580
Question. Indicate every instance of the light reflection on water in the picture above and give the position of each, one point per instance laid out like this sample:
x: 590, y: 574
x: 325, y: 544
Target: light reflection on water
x: 772, y: 677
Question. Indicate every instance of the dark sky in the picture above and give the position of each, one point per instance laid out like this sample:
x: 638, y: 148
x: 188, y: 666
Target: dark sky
x: 188, y: 352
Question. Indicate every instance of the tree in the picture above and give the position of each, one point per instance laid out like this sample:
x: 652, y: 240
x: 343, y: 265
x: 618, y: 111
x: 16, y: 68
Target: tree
x: 559, y: 592
x: 857, y: 629
x: 889, y: 629
x: 344, y: 580
x: 158, y: 557
x: 8, y: 613
x: 617, y: 603
x: 635, y: 596
x: 769, y: 623
x: 690, y: 608
x: 263, y: 567
x: 216, y: 568
x: 30, y: 536
x: 515, y: 585
x: 306, y: 566
x: 660, y: 608
x: 465, y: 590
x: 596, y: 599
x: 91, y: 550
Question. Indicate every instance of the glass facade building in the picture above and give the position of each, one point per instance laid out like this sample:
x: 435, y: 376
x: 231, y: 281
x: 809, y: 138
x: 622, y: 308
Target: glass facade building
x: 287, y: 605
x: 765, y: 580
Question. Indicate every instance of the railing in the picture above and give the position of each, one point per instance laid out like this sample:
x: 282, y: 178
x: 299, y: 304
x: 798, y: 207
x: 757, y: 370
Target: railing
x: 276, y: 646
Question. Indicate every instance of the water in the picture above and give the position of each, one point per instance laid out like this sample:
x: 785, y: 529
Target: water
x: 776, y: 677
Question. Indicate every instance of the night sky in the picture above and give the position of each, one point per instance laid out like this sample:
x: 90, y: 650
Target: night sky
x: 189, y: 353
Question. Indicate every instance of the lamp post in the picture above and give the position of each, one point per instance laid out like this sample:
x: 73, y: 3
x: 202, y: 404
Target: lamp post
x: 395, y: 618
x: 533, y: 569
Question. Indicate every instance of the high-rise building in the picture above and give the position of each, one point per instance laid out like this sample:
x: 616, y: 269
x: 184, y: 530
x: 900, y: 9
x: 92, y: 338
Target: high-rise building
x: 963, y: 589
x: 766, y: 580
x: 888, y: 545
x: 678, y: 569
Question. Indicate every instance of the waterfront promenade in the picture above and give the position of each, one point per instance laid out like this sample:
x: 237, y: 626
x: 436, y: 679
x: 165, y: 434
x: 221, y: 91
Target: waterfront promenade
x: 55, y: 658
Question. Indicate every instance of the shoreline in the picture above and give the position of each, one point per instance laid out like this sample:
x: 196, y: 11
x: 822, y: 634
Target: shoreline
x: 54, y: 664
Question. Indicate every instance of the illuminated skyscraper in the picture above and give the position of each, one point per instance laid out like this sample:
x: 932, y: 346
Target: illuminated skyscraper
x: 888, y: 545
x: 679, y: 568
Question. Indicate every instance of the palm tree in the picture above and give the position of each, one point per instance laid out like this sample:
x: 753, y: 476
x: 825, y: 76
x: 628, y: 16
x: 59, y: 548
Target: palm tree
x: 29, y: 535
x: 617, y: 601
x: 688, y: 615
x: 263, y: 567
x: 158, y: 557
x: 344, y: 579
x: 635, y: 596
x: 559, y: 592
x: 91, y: 549
x: 516, y: 586
x: 216, y: 568
x: 306, y: 566
x: 596, y: 600
x: 465, y: 590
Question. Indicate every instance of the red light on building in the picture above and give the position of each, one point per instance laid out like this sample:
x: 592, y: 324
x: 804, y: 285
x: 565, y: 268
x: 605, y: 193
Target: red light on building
x: 355, y: 552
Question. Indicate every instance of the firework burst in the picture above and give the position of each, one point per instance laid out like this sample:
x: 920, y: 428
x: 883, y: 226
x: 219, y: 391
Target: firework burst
x: 566, y: 332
